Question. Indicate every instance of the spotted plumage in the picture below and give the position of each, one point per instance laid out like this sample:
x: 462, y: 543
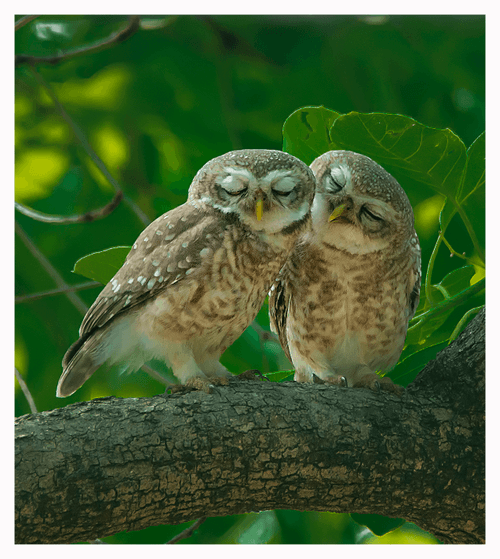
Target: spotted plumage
x: 342, y: 302
x: 198, y: 275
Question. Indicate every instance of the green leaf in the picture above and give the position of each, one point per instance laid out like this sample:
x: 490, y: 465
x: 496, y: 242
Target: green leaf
x: 376, y: 523
x: 280, y: 376
x: 452, y: 284
x: 306, y: 132
x: 404, y: 147
x: 470, y: 198
x: 102, y: 266
x: 406, y: 371
x: 456, y: 281
x: 261, y: 530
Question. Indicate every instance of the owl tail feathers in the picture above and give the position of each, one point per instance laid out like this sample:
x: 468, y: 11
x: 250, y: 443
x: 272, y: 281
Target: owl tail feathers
x: 80, y: 362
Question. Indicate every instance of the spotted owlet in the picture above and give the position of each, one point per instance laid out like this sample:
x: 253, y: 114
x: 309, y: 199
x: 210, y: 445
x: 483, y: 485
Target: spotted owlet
x: 342, y: 302
x: 197, y: 276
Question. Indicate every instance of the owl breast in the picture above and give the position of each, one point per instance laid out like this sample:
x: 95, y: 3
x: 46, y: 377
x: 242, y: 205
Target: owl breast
x: 222, y: 297
x: 348, y: 317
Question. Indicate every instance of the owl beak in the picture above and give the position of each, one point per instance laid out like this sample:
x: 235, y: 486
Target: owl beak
x: 259, y: 209
x: 337, y: 212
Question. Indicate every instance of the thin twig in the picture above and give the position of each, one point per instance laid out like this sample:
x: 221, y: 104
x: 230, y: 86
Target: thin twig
x: 88, y: 148
x: 448, y: 304
x: 23, y: 21
x: 53, y: 273
x: 84, y: 218
x: 57, y: 291
x: 188, y: 532
x: 26, y: 391
x: 123, y: 34
x: 156, y: 375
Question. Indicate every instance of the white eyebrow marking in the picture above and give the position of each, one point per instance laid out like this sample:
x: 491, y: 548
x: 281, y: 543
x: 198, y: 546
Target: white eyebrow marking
x: 284, y: 181
x: 238, y: 171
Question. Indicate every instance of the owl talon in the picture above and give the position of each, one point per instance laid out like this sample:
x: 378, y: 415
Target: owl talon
x: 252, y: 374
x: 379, y: 384
x: 333, y: 381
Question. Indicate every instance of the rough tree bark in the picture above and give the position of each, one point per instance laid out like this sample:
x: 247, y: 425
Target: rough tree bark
x: 96, y: 468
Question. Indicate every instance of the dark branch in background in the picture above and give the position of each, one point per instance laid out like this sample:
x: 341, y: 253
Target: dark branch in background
x: 88, y: 148
x: 23, y: 21
x: 123, y: 34
x: 26, y: 391
x: 84, y: 218
x: 57, y: 291
x: 53, y: 273
x: 188, y: 532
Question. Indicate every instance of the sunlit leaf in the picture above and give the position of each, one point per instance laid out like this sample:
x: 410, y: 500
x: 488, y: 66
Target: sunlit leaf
x: 306, y: 132
x: 378, y: 524
x: 101, y: 266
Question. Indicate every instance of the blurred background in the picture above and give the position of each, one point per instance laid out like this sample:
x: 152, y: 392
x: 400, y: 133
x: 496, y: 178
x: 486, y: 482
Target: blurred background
x: 176, y: 92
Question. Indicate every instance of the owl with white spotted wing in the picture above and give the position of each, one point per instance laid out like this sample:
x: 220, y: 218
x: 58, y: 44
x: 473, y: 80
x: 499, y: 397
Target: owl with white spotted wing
x: 197, y: 276
x: 342, y: 302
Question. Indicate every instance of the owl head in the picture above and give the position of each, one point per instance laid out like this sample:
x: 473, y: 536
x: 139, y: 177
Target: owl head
x: 269, y: 191
x: 359, y: 206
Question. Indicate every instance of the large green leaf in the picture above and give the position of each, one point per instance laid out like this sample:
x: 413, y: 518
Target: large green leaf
x: 102, y: 266
x: 306, y: 132
x: 405, y: 147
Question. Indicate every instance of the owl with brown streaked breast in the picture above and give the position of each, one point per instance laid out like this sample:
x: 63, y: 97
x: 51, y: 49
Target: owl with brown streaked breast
x: 198, y: 275
x: 342, y: 302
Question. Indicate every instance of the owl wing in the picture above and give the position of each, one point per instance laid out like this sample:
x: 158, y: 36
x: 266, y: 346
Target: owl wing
x: 168, y: 250
x: 415, y: 278
x: 279, y: 300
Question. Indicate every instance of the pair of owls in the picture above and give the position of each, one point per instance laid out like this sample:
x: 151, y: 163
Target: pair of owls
x: 334, y: 244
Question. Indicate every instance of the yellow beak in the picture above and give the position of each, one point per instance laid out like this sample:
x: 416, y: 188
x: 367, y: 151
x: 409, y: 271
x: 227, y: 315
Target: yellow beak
x: 259, y: 209
x: 337, y: 212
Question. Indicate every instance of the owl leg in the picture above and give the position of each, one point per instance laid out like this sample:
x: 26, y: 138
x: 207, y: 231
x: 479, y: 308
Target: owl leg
x: 184, y: 366
x: 303, y: 376
x: 215, y: 371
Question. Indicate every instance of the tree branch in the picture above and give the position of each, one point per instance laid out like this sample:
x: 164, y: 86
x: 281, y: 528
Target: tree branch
x: 83, y: 218
x: 95, y: 468
x: 123, y: 34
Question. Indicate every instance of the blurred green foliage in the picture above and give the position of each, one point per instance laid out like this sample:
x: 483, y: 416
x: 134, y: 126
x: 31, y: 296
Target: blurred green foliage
x: 184, y: 89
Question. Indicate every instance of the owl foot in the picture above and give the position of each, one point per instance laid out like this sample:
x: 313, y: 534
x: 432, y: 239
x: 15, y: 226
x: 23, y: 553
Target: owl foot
x: 199, y: 383
x: 333, y: 381
x: 252, y: 374
x: 379, y: 384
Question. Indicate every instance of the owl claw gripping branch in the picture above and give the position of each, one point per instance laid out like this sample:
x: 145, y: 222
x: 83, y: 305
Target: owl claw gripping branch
x: 198, y: 275
x: 342, y: 302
